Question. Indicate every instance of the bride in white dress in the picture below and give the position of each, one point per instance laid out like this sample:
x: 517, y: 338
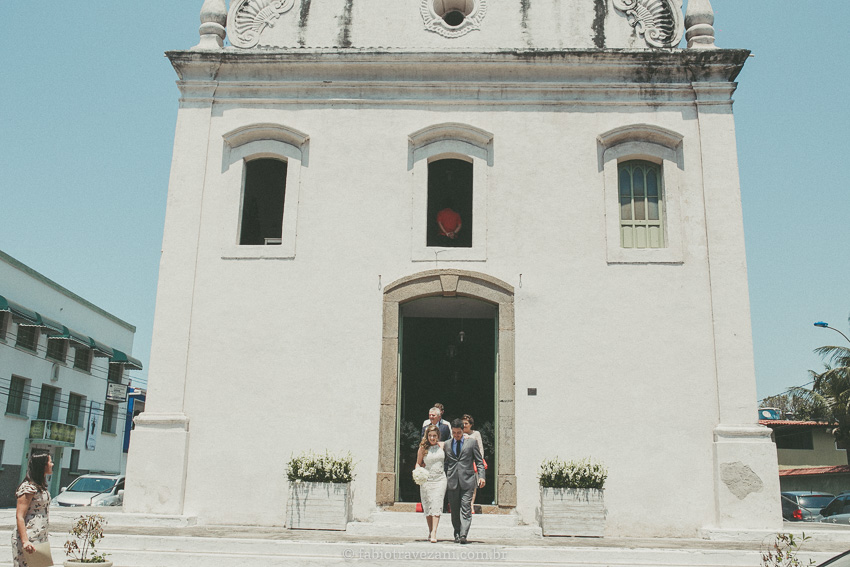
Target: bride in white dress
x: 433, y: 491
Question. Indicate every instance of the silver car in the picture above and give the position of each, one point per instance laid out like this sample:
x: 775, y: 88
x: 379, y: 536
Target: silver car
x: 837, y: 511
x: 92, y: 490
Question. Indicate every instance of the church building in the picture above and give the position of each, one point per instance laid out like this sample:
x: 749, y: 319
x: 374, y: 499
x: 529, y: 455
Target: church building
x: 526, y: 210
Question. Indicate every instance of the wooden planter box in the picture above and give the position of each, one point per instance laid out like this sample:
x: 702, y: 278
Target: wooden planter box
x: 572, y: 512
x: 318, y: 506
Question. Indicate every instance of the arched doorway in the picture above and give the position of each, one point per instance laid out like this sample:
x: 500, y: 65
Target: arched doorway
x: 418, y: 300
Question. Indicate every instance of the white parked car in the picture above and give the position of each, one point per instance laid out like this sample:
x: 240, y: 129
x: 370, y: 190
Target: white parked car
x: 92, y: 490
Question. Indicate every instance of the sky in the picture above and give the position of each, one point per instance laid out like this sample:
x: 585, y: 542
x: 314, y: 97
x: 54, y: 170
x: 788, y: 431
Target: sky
x: 89, y: 106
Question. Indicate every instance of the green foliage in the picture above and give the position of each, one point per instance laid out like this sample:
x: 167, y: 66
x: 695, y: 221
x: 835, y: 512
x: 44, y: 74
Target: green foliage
x: 829, y: 395
x: 555, y: 473
x: 311, y: 467
x: 87, y: 531
x: 410, y: 435
x: 783, y: 552
x: 488, y: 435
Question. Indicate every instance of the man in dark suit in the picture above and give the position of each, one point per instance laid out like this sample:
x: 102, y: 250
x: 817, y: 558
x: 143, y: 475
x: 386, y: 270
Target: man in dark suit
x: 461, y: 478
x: 435, y: 418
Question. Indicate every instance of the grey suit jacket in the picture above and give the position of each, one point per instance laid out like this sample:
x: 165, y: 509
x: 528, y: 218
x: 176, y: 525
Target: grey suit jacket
x: 459, y: 471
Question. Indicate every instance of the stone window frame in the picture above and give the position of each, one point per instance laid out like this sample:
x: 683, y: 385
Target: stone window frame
x: 657, y: 145
x: 449, y: 140
x: 257, y: 141
x: 448, y: 283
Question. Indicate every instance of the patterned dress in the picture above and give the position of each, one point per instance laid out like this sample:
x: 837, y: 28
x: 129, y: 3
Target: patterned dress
x: 434, y: 489
x: 36, y: 521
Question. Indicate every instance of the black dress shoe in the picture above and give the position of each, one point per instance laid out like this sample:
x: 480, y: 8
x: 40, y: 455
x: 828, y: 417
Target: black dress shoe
x: 457, y: 538
x: 463, y: 540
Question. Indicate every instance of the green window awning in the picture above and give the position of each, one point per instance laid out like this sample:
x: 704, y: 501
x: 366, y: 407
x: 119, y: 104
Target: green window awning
x: 119, y: 357
x: 45, y: 322
x: 18, y: 311
x: 99, y: 349
x: 79, y: 339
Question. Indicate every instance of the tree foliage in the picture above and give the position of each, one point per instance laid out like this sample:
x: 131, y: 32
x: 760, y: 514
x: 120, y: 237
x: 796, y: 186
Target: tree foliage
x: 830, y: 392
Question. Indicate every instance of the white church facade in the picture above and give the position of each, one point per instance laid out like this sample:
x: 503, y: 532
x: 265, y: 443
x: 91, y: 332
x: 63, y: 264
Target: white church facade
x: 527, y: 211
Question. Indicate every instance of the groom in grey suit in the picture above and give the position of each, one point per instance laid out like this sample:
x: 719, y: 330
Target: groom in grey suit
x: 461, y: 478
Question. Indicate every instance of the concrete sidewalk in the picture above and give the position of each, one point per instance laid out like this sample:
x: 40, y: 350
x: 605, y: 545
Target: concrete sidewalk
x: 138, y: 541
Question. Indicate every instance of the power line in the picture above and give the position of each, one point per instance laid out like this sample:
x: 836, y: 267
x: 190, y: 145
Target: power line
x: 40, y: 350
x: 31, y: 397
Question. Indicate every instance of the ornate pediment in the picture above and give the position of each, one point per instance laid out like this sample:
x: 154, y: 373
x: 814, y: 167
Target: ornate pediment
x: 658, y: 21
x: 452, y: 18
x: 248, y: 18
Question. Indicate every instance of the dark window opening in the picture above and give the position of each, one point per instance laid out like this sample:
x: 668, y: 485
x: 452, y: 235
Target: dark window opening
x: 75, y: 413
x: 450, y: 203
x: 110, y: 413
x: 262, y: 202
x: 27, y: 337
x: 454, y: 18
x: 794, y: 440
x: 116, y: 372
x: 82, y: 359
x: 57, y: 349
x: 47, y: 402
x: 15, y: 403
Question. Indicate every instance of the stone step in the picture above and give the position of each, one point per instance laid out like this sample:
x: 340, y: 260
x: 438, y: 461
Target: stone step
x: 418, y: 518
x: 412, y: 526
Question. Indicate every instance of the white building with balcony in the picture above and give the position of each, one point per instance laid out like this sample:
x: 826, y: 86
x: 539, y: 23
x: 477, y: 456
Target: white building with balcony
x: 528, y: 211
x: 64, y: 372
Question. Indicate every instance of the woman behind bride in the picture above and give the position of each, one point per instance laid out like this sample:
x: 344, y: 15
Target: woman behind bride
x: 432, y: 492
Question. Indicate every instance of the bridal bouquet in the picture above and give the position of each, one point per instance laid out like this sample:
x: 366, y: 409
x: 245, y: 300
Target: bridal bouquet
x: 420, y: 475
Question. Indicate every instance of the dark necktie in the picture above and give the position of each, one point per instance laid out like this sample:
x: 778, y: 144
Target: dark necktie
x: 457, y: 448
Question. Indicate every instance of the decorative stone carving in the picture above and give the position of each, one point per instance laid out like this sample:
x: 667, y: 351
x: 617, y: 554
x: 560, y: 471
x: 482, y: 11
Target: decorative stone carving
x: 439, y: 16
x: 659, y: 21
x: 699, y: 21
x: 248, y: 18
x: 213, y: 18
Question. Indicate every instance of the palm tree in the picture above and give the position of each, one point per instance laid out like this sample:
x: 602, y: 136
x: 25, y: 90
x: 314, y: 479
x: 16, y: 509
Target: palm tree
x: 830, y: 392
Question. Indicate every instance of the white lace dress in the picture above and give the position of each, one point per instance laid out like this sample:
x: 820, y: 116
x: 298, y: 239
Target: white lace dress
x: 434, y: 489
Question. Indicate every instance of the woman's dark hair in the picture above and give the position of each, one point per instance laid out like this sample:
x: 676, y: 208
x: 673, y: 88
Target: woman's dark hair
x: 37, y: 468
x: 467, y: 417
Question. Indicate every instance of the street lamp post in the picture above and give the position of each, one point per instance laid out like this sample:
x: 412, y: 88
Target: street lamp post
x: 825, y: 325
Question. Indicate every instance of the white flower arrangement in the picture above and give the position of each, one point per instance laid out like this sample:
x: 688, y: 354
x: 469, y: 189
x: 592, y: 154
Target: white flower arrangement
x: 555, y: 473
x: 420, y: 475
x: 310, y: 467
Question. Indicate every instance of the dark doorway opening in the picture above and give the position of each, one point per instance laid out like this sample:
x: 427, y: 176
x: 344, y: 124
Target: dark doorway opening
x: 448, y: 355
x: 450, y: 203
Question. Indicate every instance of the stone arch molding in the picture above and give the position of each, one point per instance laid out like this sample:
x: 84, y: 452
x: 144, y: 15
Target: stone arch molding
x: 247, y: 19
x: 273, y: 138
x: 472, y: 141
x: 660, y: 22
x: 433, y: 11
x: 447, y: 283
